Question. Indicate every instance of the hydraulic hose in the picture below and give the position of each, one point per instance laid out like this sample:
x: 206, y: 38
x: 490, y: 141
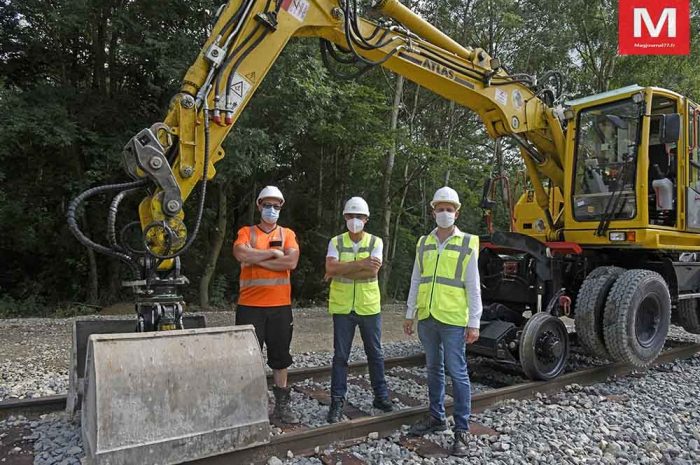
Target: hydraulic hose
x: 86, y: 241
x: 112, y: 218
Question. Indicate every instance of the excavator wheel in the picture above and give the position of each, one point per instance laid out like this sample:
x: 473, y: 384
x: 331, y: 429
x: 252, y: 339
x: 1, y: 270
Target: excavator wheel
x: 688, y: 315
x: 590, y: 303
x: 604, y: 270
x: 544, y: 347
x: 637, y: 317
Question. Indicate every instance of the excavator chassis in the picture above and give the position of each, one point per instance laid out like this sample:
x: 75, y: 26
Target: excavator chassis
x: 622, y: 301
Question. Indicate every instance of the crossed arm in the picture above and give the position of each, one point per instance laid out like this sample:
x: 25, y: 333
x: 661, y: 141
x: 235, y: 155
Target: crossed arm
x: 272, y: 259
x: 359, y: 269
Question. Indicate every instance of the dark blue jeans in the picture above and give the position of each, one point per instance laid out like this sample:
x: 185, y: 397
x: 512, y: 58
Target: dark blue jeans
x: 444, y: 346
x: 343, y: 334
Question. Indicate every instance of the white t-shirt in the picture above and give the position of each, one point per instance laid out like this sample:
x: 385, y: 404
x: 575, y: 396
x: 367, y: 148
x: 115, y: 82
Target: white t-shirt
x: 333, y: 250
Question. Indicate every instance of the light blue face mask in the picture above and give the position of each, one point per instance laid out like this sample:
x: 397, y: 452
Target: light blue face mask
x: 270, y: 215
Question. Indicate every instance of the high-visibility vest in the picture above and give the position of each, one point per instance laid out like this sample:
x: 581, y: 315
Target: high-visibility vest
x: 442, y: 293
x: 260, y: 287
x: 360, y: 295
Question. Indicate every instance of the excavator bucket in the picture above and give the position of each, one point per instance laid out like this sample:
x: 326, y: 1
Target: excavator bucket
x: 166, y: 397
x: 82, y: 329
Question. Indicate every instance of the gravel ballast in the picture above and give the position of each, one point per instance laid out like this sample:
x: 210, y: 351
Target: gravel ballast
x: 649, y: 418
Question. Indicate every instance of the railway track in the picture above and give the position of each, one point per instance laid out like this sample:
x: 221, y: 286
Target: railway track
x: 306, y: 441
x: 47, y: 404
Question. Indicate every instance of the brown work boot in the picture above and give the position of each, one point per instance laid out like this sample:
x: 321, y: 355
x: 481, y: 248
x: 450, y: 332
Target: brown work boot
x: 282, y: 409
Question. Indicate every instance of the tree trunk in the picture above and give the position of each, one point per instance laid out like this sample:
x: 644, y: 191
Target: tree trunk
x: 93, y: 283
x: 216, y: 243
x: 397, y: 223
x: 386, y: 188
x: 253, y: 205
x: 320, y: 198
x: 450, y: 130
x: 115, y: 281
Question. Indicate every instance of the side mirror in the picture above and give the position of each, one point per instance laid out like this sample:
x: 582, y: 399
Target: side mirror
x: 671, y: 128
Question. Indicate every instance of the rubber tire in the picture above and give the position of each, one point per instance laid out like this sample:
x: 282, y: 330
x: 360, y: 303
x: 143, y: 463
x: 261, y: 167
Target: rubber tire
x: 527, y: 345
x: 590, y: 307
x: 603, y: 270
x: 688, y: 315
x: 619, y: 318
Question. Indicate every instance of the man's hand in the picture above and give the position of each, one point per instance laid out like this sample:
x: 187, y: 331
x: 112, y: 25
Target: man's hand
x: 371, y: 263
x: 471, y: 335
x: 276, y: 253
x: 408, y: 327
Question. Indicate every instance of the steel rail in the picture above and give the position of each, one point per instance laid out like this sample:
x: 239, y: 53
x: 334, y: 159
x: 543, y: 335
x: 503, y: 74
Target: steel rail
x: 46, y: 404
x: 304, y: 442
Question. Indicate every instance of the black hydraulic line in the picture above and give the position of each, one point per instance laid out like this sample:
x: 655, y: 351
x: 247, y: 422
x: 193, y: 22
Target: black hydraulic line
x: 236, y: 50
x: 123, y: 239
x: 243, y: 56
x: 78, y: 233
x: 328, y: 46
x: 363, y: 42
x: 350, y: 42
x: 448, y: 62
x: 112, y: 218
x: 173, y: 151
x: 334, y: 72
x: 202, y: 195
x: 236, y: 16
x: 453, y: 66
x: 217, y: 84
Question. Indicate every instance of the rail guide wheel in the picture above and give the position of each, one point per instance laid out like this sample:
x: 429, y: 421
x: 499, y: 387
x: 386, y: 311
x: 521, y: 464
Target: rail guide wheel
x: 544, y: 347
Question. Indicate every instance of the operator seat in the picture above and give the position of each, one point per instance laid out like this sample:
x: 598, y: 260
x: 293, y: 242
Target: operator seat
x: 661, y: 167
x: 659, y: 162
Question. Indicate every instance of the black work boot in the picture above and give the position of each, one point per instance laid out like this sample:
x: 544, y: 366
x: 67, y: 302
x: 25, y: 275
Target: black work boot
x: 427, y: 425
x: 282, y: 409
x: 335, y: 413
x: 460, y: 446
x: 384, y: 404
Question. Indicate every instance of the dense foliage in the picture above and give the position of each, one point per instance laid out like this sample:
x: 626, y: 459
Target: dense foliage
x: 79, y: 77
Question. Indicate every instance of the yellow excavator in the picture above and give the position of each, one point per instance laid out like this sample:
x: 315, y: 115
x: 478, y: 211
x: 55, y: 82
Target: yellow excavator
x: 607, y: 234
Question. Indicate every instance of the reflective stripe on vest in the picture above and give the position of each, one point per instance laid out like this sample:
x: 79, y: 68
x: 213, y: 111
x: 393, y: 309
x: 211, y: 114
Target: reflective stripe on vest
x: 360, y: 295
x: 259, y: 286
x: 442, y: 292
x: 264, y: 282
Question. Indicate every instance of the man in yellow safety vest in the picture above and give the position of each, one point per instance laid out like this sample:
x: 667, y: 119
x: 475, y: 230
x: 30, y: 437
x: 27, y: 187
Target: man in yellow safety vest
x: 445, y: 295
x: 352, y: 261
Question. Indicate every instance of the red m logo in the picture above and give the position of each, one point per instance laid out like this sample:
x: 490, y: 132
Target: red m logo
x: 649, y: 27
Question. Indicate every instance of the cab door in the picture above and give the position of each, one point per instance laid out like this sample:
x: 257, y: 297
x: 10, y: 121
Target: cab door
x: 693, y: 187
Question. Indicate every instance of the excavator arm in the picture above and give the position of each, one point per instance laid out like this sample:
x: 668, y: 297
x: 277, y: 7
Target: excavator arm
x: 249, y: 35
x: 246, y: 39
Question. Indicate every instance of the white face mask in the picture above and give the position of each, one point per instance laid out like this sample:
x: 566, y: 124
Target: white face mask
x: 445, y: 219
x: 270, y: 215
x: 355, y: 225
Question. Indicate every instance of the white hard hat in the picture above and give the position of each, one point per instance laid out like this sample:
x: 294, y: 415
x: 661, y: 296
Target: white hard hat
x: 271, y: 192
x: 357, y: 206
x: 446, y: 195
